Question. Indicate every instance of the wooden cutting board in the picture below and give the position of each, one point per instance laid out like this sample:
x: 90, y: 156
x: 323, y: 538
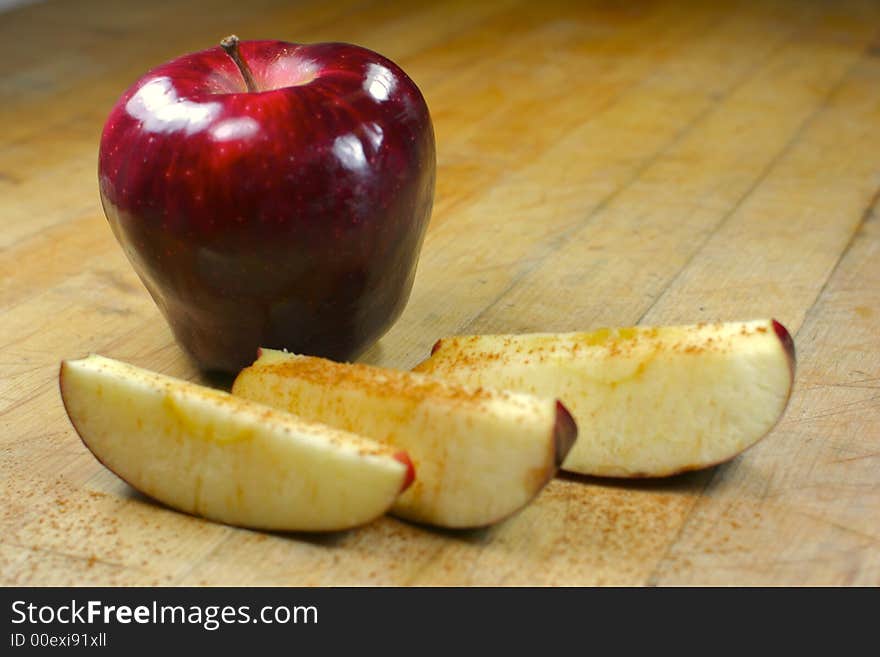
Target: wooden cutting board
x: 599, y: 164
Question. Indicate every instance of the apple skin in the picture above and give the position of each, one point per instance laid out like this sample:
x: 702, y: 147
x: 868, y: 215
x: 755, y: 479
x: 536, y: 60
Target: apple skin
x: 565, y: 432
x: 292, y: 217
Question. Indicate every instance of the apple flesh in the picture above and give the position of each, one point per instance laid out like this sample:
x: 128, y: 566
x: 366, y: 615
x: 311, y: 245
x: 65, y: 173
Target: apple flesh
x: 207, y: 453
x: 480, y: 454
x: 290, y: 216
x: 649, y: 402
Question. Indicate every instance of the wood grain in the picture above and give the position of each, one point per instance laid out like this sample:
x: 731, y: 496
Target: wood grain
x: 599, y: 164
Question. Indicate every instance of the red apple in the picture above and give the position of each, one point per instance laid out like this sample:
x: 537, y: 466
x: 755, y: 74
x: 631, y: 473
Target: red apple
x: 272, y: 194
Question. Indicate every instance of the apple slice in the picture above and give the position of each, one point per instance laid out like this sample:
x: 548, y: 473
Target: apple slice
x: 208, y: 453
x: 649, y: 402
x: 481, y: 454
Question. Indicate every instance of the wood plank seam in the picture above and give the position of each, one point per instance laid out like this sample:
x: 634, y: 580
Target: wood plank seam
x: 762, y: 176
x: 561, y: 238
x: 66, y: 555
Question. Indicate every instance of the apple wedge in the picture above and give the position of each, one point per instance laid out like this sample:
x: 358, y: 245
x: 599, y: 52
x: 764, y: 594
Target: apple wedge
x: 649, y: 402
x: 208, y: 453
x: 481, y: 454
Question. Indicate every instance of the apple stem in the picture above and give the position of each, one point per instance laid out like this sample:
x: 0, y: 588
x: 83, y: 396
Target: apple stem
x: 230, y: 45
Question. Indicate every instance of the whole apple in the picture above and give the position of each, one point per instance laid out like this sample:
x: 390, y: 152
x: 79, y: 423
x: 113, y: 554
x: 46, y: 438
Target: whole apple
x: 272, y: 194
